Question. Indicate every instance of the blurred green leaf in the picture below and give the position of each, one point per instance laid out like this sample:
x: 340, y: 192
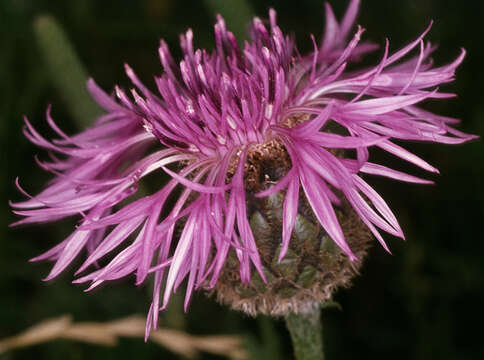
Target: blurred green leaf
x: 269, y: 345
x: 66, y: 70
x: 237, y: 14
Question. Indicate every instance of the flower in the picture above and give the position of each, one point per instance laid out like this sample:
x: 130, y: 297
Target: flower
x: 212, y: 117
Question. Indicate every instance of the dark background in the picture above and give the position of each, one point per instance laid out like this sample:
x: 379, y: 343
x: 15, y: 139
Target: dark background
x: 423, y: 302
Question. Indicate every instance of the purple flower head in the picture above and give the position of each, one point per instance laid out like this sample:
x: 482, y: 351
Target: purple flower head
x: 209, y: 114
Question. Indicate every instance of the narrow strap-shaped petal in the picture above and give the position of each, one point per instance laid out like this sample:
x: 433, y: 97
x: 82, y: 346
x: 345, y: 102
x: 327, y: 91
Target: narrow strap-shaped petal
x: 289, y: 215
x: 197, y: 186
x: 179, y: 257
x: 406, y: 155
x: 349, y: 19
x: 330, y: 31
x: 114, y: 239
x: 378, y: 202
x: 376, y: 169
x: 102, y: 98
x: 319, y: 201
x: 384, y: 105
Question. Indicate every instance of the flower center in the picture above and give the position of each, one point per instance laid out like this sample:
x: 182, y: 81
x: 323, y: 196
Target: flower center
x: 265, y: 164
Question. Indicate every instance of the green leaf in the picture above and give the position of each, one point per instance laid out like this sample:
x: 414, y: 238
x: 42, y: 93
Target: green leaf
x: 237, y: 15
x: 66, y: 70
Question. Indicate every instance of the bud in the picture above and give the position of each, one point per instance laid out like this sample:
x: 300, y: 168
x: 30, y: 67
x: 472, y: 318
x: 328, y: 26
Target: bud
x: 313, y: 268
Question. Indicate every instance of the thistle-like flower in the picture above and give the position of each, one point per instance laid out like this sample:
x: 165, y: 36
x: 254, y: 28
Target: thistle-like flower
x: 239, y: 127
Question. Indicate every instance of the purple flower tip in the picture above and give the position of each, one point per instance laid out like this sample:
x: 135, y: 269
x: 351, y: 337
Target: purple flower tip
x: 206, y: 116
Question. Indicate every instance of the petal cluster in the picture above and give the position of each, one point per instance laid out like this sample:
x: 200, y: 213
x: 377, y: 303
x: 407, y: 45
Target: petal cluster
x: 206, y: 115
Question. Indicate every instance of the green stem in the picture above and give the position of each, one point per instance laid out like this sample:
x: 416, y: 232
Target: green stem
x: 306, y: 334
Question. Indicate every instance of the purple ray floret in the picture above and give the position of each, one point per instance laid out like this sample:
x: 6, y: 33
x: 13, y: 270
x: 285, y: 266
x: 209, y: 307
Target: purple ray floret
x: 207, y: 114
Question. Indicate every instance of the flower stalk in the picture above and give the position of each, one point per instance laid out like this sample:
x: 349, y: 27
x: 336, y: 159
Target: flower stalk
x: 306, y: 334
